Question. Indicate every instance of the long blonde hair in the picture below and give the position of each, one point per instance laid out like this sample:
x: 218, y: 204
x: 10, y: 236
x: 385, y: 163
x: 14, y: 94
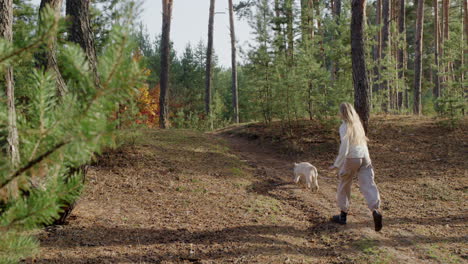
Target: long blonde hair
x: 355, y: 131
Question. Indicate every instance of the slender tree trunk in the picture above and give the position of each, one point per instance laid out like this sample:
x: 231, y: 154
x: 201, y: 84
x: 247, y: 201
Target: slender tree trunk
x: 310, y: 6
x: 378, y: 46
x: 209, y: 59
x: 6, y: 32
x: 385, y: 48
x: 446, y: 4
x: 337, y: 8
x: 47, y: 59
x: 290, y: 29
x: 165, y: 59
x: 235, y: 98
x: 80, y: 32
x: 445, y: 32
x: 401, y: 51
x: 465, y: 27
x: 361, y: 86
x: 320, y: 30
x: 306, y: 21
x: 307, y: 14
x: 417, y: 57
x: 393, y: 85
x: 336, y: 14
x: 436, y: 91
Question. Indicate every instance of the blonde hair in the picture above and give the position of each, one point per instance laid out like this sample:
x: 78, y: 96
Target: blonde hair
x: 355, y: 131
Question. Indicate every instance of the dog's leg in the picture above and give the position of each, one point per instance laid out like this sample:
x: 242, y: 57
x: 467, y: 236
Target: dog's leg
x: 296, y: 180
x: 309, y: 180
x: 316, y: 183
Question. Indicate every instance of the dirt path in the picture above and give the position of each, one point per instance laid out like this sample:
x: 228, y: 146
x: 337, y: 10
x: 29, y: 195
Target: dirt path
x: 180, y: 196
x: 421, y: 173
x: 317, y: 208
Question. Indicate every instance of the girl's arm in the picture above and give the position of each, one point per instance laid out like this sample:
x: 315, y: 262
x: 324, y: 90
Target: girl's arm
x: 344, y: 147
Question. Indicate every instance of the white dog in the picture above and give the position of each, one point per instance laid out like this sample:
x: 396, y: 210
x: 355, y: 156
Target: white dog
x: 308, y: 171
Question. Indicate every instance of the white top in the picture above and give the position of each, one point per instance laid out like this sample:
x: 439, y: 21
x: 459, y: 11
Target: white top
x: 349, y: 151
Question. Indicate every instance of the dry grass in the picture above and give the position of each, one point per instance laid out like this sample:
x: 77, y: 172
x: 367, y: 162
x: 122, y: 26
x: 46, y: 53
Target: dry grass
x: 179, y: 196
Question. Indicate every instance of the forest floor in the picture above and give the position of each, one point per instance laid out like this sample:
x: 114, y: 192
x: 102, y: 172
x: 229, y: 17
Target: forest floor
x: 179, y: 196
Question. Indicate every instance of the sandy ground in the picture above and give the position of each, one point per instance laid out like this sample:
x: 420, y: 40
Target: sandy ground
x: 180, y: 196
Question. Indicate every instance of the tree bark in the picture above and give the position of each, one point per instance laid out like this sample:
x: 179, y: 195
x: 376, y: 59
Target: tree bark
x: 402, y: 50
x: 290, y: 29
x: 417, y: 59
x: 465, y: 32
x: 336, y: 15
x: 337, y: 8
x: 445, y: 34
x: 209, y: 59
x: 436, y: 91
x: 378, y: 46
x: 80, y: 32
x: 385, y: 44
x: 235, y: 98
x: 164, y: 74
x: 48, y: 58
x: 446, y: 4
x: 6, y: 32
x: 361, y: 86
x: 307, y: 14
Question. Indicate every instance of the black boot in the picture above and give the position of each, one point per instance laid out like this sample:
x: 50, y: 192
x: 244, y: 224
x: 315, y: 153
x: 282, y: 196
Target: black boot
x: 340, y: 219
x: 377, y: 220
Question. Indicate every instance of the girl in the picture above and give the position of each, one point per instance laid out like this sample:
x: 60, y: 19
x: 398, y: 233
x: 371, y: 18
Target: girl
x: 353, y: 159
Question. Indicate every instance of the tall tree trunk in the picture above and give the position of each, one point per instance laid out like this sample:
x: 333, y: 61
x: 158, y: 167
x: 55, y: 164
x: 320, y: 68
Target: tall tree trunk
x: 310, y: 6
x: 165, y: 59
x: 385, y: 48
x: 465, y: 31
x: 446, y: 7
x: 361, y: 86
x: 436, y: 91
x: 6, y: 32
x: 393, y: 85
x: 320, y: 30
x: 307, y: 15
x: 209, y: 59
x: 402, y: 50
x: 307, y: 32
x: 378, y: 46
x: 80, y: 32
x: 48, y: 58
x: 337, y: 9
x: 417, y: 57
x: 445, y: 32
x: 235, y: 98
x: 290, y: 29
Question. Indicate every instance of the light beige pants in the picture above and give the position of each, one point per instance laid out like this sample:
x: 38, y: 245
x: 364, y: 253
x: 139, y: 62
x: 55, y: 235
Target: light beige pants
x: 365, y: 173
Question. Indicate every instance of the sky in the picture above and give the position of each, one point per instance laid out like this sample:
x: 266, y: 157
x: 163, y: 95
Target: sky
x: 190, y: 25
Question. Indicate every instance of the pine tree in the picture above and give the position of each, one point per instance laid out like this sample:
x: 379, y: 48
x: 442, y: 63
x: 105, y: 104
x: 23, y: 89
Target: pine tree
x: 48, y: 58
x: 209, y: 59
x: 58, y: 135
x: 6, y: 33
x: 80, y: 31
x: 418, y: 60
x: 361, y: 86
x: 436, y: 91
x: 235, y: 96
x: 165, y: 58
